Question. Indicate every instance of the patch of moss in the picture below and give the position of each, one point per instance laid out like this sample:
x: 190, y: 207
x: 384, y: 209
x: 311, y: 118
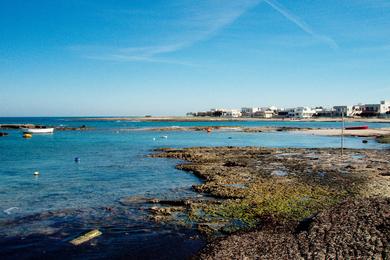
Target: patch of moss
x: 384, y: 139
x: 247, y: 192
x: 281, y: 201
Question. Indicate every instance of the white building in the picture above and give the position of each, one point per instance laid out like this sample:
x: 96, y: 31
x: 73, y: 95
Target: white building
x: 249, y: 111
x: 273, y: 109
x: 379, y: 109
x: 264, y: 113
x: 301, y: 112
x: 231, y: 113
x: 343, y: 110
x: 324, y: 112
x: 357, y: 109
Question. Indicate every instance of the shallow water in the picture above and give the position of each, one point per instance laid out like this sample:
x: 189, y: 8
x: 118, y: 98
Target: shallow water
x: 113, y: 164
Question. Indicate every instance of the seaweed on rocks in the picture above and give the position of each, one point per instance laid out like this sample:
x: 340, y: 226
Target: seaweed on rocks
x: 247, y: 188
x: 355, y: 228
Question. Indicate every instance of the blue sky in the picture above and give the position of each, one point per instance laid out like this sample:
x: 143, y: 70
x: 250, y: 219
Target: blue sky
x: 161, y: 57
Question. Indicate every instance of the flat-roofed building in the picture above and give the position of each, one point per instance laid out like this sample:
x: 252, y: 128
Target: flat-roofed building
x: 249, y: 111
x: 343, y: 110
x: 376, y: 109
x: 264, y: 113
x: 301, y: 112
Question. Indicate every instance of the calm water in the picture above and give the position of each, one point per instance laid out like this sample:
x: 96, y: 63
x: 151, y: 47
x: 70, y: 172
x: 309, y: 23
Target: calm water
x: 39, y: 214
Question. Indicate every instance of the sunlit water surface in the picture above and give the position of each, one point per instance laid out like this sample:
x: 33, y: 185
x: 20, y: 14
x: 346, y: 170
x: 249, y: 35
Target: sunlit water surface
x: 38, y: 213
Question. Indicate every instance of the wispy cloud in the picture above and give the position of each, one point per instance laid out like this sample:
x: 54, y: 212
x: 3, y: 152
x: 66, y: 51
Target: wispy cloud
x: 192, y: 23
x: 200, y: 22
x: 301, y: 24
x: 127, y: 58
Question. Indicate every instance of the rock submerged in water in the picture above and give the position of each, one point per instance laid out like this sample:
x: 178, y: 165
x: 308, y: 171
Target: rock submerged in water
x: 384, y: 139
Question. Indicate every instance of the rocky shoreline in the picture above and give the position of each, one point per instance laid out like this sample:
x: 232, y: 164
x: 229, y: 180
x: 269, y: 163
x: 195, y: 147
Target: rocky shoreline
x: 380, y: 134
x: 32, y: 126
x: 269, y: 194
x: 212, y: 128
x: 354, y: 229
x: 224, y: 119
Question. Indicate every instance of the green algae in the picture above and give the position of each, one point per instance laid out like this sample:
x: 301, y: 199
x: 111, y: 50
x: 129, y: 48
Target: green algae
x: 384, y: 139
x: 247, y: 193
x: 280, y: 201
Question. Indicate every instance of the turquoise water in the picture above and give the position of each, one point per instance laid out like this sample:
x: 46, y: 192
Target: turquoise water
x: 74, y: 121
x: 113, y: 165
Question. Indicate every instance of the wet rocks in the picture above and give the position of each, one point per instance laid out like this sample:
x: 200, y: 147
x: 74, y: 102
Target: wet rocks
x: 16, y: 126
x: 385, y: 139
x: 68, y: 128
x: 256, y: 186
x: 353, y: 229
x: 290, y: 199
x: 31, y: 126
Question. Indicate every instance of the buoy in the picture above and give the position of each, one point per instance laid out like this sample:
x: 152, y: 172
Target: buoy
x: 27, y: 135
x: 77, y: 159
x: 86, y: 237
x: 36, y: 173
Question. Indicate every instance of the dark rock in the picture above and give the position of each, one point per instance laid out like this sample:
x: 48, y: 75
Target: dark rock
x: 233, y: 164
x: 355, y: 229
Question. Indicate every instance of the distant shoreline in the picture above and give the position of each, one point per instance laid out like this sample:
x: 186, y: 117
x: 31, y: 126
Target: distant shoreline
x: 222, y: 119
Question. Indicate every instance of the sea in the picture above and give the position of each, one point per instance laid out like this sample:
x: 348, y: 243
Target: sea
x: 41, y: 214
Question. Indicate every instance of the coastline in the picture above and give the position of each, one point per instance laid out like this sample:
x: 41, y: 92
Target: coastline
x: 373, y: 132
x: 258, y: 192
x: 358, y: 133
x: 221, y: 119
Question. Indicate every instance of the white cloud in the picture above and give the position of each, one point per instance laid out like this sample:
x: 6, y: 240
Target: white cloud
x: 200, y: 22
x: 301, y: 24
x: 194, y: 22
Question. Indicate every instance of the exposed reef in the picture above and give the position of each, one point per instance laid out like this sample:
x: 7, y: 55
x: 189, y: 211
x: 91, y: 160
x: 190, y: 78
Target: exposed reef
x: 378, y: 133
x: 355, y: 229
x: 288, y: 198
x: 31, y: 126
x: 385, y: 139
x: 226, y: 128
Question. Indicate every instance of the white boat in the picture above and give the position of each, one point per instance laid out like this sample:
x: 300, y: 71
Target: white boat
x: 38, y: 130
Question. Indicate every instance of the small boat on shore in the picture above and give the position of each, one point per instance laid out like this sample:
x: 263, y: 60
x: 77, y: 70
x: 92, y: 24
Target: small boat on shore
x: 363, y: 127
x: 38, y: 130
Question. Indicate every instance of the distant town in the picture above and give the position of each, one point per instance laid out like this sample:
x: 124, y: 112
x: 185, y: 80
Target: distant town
x: 382, y: 109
